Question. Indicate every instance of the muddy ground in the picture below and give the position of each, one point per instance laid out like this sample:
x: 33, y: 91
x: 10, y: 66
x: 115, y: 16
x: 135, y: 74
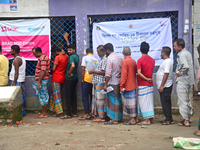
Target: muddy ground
x: 54, y: 134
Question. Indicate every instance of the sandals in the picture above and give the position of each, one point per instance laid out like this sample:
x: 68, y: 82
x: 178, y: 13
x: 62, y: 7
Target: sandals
x: 66, y: 117
x: 167, y: 123
x: 182, y: 123
x: 85, y: 118
x: 144, y: 123
x: 110, y: 123
x: 195, y: 133
x: 41, y: 116
x: 129, y: 123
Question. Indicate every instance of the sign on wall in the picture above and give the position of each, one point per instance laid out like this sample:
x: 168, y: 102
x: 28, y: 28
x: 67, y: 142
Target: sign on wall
x: 8, y: 5
x: 156, y: 32
x: 26, y: 33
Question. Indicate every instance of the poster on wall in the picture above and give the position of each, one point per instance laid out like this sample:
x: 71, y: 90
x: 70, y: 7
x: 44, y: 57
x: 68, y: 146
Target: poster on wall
x: 26, y: 33
x: 8, y: 5
x: 156, y: 32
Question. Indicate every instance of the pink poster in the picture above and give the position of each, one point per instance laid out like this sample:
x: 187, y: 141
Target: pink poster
x: 27, y: 34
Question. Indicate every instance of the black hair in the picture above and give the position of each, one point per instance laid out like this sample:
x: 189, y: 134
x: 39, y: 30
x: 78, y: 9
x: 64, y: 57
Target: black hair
x: 89, y: 50
x: 166, y: 50
x: 55, y: 49
x: 144, y: 47
x: 37, y: 49
x: 109, y: 47
x: 16, y: 48
x: 180, y: 42
x: 101, y: 48
x: 71, y: 46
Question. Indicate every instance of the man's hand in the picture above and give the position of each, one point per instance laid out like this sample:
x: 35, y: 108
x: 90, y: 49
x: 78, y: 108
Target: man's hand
x: 70, y: 75
x: 91, y: 71
x: 160, y: 89
x: 65, y: 35
x: 149, y: 80
x: 13, y: 84
x: 178, y: 74
x: 121, y: 90
x: 38, y: 86
x: 104, y: 88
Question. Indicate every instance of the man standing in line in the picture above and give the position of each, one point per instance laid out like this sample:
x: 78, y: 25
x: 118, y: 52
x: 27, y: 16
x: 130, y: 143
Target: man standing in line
x: 113, y: 101
x: 184, y: 81
x: 98, y: 81
x: 145, y: 66
x: 41, y: 79
x: 128, y: 86
x: 4, y: 68
x: 89, y: 62
x: 58, y: 78
x: 164, y: 84
x: 18, y: 72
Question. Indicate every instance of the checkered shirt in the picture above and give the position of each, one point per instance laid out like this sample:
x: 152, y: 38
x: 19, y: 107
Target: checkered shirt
x: 101, y: 66
x: 113, y: 68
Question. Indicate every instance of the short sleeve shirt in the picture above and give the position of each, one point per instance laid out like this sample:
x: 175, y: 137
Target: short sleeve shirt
x: 59, y: 74
x: 146, y: 64
x: 74, y: 58
x: 42, y: 64
x: 4, y: 68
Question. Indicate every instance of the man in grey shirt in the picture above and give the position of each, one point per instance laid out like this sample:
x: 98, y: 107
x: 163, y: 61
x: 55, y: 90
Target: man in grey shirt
x: 184, y: 80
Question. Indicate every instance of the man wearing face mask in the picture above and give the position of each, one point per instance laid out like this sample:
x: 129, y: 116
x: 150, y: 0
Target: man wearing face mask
x: 98, y: 81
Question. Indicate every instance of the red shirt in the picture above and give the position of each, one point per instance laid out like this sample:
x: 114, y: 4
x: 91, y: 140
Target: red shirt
x: 128, y: 74
x: 42, y: 64
x: 59, y: 74
x: 146, y: 64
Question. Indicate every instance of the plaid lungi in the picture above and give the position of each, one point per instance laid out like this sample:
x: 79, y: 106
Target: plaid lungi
x: 55, y: 98
x: 98, y: 100
x: 22, y: 85
x: 129, y: 103
x: 42, y: 93
x: 113, y: 103
x: 145, y: 102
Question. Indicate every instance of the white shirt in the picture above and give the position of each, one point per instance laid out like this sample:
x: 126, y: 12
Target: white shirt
x: 165, y: 67
x: 22, y: 71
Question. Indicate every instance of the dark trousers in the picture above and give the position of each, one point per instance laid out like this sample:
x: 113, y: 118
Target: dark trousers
x: 86, y: 96
x: 71, y: 99
x: 165, y: 98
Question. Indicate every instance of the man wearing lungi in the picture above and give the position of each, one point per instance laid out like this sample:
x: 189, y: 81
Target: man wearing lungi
x: 145, y: 66
x: 98, y: 81
x: 184, y: 81
x: 113, y: 102
x: 18, y: 73
x: 164, y: 84
x: 128, y: 86
x: 41, y: 79
x: 58, y: 78
x: 89, y: 62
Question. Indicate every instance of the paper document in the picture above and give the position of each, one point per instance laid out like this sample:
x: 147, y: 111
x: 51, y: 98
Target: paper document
x: 109, y: 89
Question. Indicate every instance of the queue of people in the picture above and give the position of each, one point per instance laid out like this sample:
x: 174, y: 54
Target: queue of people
x: 132, y: 83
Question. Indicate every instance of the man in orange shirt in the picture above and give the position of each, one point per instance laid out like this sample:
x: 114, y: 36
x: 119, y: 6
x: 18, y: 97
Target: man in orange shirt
x: 128, y: 86
x: 58, y: 78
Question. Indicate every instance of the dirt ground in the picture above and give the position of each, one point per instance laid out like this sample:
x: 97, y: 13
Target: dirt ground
x: 56, y: 134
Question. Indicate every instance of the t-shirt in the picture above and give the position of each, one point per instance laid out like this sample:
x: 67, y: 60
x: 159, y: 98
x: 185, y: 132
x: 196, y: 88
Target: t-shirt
x: 146, y: 64
x: 42, y: 64
x: 59, y: 74
x: 165, y: 67
x: 74, y: 58
x: 90, y: 63
x: 4, y: 68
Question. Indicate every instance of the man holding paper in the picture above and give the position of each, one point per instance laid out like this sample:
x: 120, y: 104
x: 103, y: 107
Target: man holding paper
x: 113, y: 102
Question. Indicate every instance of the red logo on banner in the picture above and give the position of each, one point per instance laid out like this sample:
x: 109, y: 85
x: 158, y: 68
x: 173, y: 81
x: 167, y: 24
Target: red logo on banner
x: 130, y: 26
x: 43, y: 27
x: 6, y: 29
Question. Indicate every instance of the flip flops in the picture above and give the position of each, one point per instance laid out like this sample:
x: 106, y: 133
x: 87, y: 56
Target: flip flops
x: 55, y: 115
x: 66, y: 117
x: 182, y: 123
x: 195, y: 133
x: 110, y: 123
x: 85, y: 118
x: 129, y: 123
x: 167, y: 123
x: 40, y: 116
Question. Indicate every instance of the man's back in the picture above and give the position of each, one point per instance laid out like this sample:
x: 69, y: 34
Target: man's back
x: 4, y: 68
x: 74, y: 58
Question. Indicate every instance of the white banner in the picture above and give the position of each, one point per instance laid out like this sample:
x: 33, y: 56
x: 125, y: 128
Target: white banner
x: 156, y: 32
x: 26, y: 33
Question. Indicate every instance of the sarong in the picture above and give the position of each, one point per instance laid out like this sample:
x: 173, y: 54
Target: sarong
x: 55, y: 98
x: 145, y: 102
x: 129, y: 103
x: 22, y: 85
x: 42, y: 93
x: 113, y: 103
x: 184, y: 101
x: 98, y: 101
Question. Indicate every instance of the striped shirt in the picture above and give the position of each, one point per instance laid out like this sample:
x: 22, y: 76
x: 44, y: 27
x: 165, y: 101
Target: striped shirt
x: 42, y: 64
x: 113, y: 68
